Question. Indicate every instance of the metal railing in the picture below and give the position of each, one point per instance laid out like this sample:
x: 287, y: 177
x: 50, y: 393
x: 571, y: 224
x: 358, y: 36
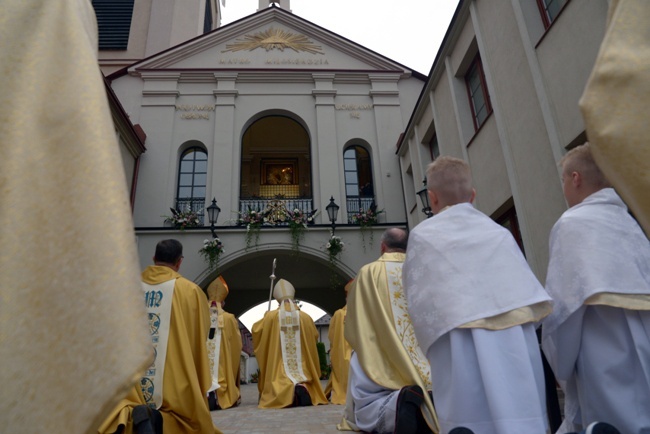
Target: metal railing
x: 358, y: 203
x: 195, y: 204
x: 259, y: 204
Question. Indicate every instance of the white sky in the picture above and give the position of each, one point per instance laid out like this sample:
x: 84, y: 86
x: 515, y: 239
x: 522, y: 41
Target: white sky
x: 256, y: 313
x: 406, y: 31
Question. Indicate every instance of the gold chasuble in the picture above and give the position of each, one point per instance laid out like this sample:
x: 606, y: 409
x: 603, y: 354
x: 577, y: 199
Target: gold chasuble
x: 615, y: 105
x: 73, y: 335
x: 224, y: 359
x: 228, y: 393
x: 340, y: 353
x: 378, y: 328
x: 187, y: 369
x: 275, y: 385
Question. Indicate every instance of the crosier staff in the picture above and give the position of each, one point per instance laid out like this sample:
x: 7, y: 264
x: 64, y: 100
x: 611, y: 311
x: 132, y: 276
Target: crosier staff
x: 272, y: 277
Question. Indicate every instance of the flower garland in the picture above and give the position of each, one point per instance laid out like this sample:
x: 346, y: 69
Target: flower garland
x: 183, y: 219
x: 334, y: 248
x: 211, y: 251
x: 253, y: 220
x: 365, y: 219
x: 276, y: 214
x: 298, y: 221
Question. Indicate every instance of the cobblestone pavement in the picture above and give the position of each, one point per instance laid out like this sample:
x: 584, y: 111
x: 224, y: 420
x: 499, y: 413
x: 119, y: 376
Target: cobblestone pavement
x: 247, y: 418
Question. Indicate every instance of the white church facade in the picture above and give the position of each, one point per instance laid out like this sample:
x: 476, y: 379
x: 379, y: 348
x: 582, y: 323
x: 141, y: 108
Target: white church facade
x: 271, y: 109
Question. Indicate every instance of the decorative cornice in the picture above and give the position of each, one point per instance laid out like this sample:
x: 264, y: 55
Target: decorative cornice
x: 174, y: 93
x: 160, y: 75
x: 225, y: 92
x: 324, y: 92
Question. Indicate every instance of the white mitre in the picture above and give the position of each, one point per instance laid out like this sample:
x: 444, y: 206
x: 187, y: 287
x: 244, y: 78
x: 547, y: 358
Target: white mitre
x: 283, y: 290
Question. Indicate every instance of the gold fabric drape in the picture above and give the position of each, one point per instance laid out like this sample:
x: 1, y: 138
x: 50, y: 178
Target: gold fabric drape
x: 614, y: 105
x: 228, y: 392
x: 276, y: 389
x: 370, y: 330
x: 73, y: 330
x: 340, y: 353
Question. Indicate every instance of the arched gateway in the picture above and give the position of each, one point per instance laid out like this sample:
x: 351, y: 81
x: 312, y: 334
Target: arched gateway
x: 310, y: 273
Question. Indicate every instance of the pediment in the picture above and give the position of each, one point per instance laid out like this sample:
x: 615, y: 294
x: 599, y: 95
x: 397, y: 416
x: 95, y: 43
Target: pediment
x: 269, y: 39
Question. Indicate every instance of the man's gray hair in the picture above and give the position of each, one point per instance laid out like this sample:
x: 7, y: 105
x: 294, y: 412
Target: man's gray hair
x: 395, y: 239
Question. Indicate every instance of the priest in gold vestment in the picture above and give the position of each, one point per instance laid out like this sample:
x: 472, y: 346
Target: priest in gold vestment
x: 285, y: 347
x: 389, y: 375
x: 340, y: 353
x: 182, y: 364
x: 224, y: 349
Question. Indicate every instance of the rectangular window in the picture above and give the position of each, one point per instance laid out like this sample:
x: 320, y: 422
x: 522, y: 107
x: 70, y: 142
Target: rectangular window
x: 477, y: 91
x: 113, y: 23
x: 550, y: 9
x: 434, y: 150
x: 509, y: 221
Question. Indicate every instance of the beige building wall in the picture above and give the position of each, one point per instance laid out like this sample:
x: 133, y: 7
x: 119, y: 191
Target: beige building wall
x: 534, y: 77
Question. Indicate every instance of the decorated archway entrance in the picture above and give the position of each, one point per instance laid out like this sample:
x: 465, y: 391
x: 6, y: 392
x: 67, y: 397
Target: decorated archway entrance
x: 314, y: 279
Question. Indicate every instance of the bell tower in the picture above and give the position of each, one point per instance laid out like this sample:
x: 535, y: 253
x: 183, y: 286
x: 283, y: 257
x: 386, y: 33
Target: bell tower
x: 284, y: 4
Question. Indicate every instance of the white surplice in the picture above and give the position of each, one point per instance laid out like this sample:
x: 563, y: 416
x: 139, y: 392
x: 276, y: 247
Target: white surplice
x: 597, y: 340
x: 462, y: 268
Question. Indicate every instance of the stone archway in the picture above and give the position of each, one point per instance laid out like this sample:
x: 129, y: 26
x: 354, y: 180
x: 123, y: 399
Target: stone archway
x: 249, y: 283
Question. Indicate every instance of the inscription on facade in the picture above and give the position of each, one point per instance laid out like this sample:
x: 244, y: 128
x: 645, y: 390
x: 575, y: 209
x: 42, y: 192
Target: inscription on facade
x: 353, y: 107
x: 193, y: 111
x: 238, y: 61
x: 290, y: 61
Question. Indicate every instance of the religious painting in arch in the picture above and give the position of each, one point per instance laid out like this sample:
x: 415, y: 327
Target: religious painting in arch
x: 275, y: 164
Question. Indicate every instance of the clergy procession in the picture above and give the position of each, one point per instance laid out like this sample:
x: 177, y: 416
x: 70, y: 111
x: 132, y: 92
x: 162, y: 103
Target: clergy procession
x: 441, y: 328
x: 446, y: 332
x: 438, y: 334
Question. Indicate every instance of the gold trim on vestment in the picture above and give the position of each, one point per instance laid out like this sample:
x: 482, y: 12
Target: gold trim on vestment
x: 624, y: 301
x: 370, y: 330
x: 522, y: 315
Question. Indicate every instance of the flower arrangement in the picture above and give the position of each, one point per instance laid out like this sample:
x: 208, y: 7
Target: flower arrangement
x: 365, y: 219
x: 211, y: 251
x: 276, y: 213
x: 253, y: 220
x: 298, y: 221
x: 334, y: 248
x: 184, y: 219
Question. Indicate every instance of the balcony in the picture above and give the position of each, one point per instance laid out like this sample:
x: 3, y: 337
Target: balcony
x: 355, y: 204
x: 194, y: 204
x: 304, y: 204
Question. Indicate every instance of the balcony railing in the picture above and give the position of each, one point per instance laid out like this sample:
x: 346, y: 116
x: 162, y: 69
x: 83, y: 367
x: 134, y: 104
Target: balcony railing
x: 195, y: 204
x: 358, y: 203
x: 259, y: 204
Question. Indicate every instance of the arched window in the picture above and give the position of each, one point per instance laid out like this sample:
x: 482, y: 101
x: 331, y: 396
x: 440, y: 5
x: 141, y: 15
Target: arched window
x: 192, y: 179
x: 275, y: 163
x: 359, y: 188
